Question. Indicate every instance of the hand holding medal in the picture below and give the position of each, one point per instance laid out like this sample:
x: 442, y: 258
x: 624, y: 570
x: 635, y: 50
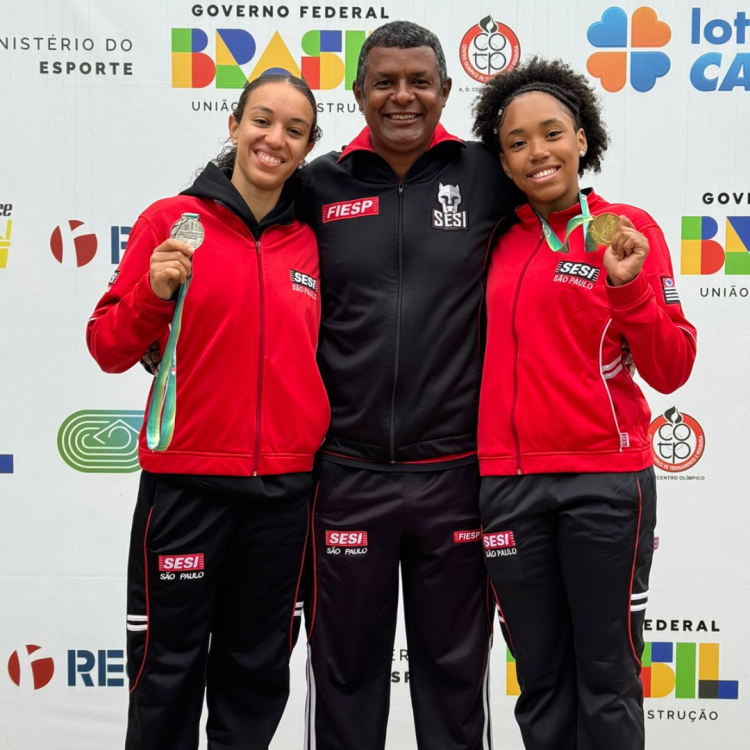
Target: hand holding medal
x: 171, y: 268
x: 626, y: 249
x: 603, y: 228
x: 171, y: 262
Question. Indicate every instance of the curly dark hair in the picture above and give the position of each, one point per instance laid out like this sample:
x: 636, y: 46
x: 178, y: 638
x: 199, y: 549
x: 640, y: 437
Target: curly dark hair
x: 552, y: 77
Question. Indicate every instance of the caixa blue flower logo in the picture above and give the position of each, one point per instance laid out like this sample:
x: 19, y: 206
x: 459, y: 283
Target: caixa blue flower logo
x: 101, y: 442
x: 641, y: 58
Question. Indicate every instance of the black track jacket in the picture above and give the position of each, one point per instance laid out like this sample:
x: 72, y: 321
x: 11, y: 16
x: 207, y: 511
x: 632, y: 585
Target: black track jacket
x: 401, y: 280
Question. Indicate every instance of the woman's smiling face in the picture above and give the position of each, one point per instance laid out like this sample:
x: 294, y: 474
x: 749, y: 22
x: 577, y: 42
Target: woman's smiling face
x: 272, y: 138
x: 540, y: 150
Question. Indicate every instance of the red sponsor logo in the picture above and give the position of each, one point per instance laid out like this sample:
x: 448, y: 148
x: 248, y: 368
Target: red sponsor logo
x: 346, y: 538
x: 466, y: 536
x: 499, y: 540
x: 181, y: 562
x: 28, y: 666
x: 351, y: 209
x: 677, y: 441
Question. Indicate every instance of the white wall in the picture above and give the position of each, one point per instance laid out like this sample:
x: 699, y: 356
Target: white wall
x: 99, y: 148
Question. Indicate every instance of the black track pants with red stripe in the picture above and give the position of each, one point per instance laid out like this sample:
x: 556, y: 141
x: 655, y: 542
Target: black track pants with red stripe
x: 569, y: 557
x: 411, y: 520
x: 218, y: 557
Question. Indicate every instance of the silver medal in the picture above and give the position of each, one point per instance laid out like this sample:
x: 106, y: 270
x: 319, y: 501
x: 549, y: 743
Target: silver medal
x: 189, y: 230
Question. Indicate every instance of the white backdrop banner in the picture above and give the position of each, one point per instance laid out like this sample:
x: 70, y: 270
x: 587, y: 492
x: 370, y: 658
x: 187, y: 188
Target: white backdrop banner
x: 108, y: 106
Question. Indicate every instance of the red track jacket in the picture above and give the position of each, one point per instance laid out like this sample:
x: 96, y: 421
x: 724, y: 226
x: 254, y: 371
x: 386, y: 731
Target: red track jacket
x: 558, y: 393
x: 250, y: 399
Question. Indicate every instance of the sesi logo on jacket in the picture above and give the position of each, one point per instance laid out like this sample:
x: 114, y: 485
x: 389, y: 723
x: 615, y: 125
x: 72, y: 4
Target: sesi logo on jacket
x: 584, y: 274
x: 448, y: 218
x: 302, y: 282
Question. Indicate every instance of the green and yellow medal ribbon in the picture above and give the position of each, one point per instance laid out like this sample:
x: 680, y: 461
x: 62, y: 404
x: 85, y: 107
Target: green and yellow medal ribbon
x: 583, y: 219
x: 162, y: 408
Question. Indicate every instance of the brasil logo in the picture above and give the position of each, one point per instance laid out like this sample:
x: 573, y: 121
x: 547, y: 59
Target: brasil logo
x: 101, y: 442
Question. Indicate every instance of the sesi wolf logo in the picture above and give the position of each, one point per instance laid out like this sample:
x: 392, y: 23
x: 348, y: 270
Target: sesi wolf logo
x: 448, y: 217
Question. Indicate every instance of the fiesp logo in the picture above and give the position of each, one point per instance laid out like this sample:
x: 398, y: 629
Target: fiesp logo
x: 461, y: 537
x: 351, y: 209
x: 6, y: 463
x: 100, y: 441
x: 645, y: 63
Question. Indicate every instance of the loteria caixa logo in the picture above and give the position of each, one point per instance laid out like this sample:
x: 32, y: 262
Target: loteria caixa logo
x: 329, y: 58
x: 101, y: 442
x: 677, y: 441
x: 638, y: 54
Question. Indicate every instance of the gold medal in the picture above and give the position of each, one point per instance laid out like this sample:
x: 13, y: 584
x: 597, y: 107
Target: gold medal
x: 603, y: 227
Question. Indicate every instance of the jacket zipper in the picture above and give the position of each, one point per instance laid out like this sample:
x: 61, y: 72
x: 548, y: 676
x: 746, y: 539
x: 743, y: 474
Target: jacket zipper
x: 260, y: 359
x: 398, y: 322
x: 513, y: 428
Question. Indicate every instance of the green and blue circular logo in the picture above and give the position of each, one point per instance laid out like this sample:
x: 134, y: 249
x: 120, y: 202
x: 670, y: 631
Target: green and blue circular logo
x: 101, y: 442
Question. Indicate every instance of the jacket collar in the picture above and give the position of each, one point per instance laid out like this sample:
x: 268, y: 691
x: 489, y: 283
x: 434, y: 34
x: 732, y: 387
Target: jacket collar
x: 528, y: 216
x: 216, y: 184
x: 362, y: 141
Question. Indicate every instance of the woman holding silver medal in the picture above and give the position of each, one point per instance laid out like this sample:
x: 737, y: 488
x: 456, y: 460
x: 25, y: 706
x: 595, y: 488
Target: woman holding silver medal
x: 218, y: 293
x: 580, y: 295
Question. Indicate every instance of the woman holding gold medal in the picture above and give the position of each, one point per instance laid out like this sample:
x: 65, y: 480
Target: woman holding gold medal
x: 580, y: 296
x: 218, y: 292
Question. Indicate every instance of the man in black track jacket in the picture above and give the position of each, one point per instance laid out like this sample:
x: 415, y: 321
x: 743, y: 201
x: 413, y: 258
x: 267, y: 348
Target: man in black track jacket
x: 404, y: 218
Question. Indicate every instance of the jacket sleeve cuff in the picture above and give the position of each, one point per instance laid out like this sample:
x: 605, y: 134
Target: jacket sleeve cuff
x: 628, y: 294
x: 149, y: 304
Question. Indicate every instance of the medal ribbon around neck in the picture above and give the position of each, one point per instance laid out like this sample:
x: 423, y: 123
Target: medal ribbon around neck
x: 162, y: 409
x: 583, y: 219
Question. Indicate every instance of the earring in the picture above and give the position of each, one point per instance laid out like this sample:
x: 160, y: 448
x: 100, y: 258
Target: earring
x: 581, y: 153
